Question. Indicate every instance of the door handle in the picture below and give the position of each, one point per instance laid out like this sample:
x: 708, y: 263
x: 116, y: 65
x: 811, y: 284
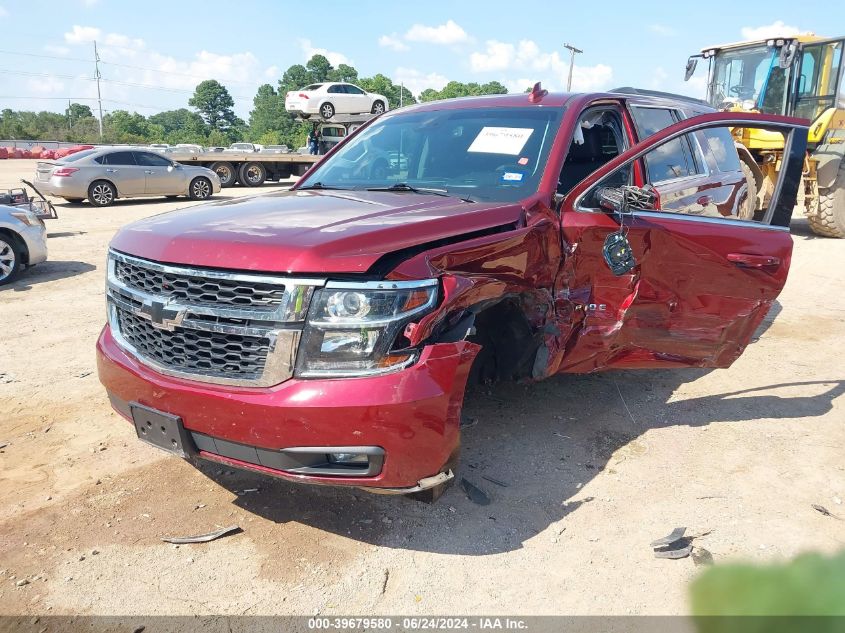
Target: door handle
x: 747, y: 260
x: 148, y: 171
x: 111, y: 171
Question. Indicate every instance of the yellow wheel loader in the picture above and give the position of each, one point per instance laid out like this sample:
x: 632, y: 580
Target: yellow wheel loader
x: 799, y: 76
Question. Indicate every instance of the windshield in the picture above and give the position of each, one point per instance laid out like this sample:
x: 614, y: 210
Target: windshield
x: 490, y: 154
x: 750, y: 74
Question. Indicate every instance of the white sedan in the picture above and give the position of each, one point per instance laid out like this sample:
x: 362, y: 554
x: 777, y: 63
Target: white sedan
x: 328, y: 99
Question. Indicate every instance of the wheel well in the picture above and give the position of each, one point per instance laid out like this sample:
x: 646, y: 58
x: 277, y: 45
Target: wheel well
x: 508, y: 343
x: 18, y: 240
x: 117, y: 191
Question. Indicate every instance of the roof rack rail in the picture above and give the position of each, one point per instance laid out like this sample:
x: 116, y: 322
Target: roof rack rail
x: 657, y: 93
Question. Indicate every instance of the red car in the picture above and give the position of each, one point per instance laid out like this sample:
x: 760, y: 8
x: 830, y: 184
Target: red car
x: 326, y: 334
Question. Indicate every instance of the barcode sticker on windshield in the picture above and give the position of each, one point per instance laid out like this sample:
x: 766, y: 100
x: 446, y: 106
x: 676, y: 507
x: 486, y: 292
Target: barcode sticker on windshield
x: 501, y: 140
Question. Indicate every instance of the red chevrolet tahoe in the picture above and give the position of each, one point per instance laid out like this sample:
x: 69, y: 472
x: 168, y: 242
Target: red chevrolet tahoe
x: 326, y: 334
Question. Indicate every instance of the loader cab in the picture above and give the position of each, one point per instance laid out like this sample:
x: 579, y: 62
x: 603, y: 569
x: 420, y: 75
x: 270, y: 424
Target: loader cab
x: 801, y: 76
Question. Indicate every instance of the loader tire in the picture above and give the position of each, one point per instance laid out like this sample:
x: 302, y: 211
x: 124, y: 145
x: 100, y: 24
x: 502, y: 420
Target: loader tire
x: 748, y: 206
x: 830, y: 219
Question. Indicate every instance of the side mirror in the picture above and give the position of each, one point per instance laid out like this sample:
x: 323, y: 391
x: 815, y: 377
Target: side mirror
x: 787, y: 54
x: 624, y: 199
x: 692, y: 64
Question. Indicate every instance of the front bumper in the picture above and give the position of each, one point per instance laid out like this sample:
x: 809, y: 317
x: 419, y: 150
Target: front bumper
x: 413, y: 414
x: 35, y: 238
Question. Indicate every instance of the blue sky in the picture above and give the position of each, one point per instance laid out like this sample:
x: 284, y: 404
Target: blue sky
x: 155, y: 52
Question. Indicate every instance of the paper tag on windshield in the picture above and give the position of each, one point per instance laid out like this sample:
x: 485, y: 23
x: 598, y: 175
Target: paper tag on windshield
x: 501, y: 140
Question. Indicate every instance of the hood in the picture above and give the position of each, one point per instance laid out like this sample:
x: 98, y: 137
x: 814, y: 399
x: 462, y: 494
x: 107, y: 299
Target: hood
x: 306, y: 231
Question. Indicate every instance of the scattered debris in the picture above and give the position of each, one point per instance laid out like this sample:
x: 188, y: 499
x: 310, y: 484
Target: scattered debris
x: 3, y: 444
x: 384, y: 581
x: 824, y: 511
x: 701, y: 556
x: 494, y: 481
x: 202, y: 538
x: 47, y: 428
x: 84, y: 374
x: 140, y: 629
x: 22, y: 582
x: 468, y: 422
x: 474, y: 493
x: 199, y: 506
x: 674, y: 545
x: 246, y: 490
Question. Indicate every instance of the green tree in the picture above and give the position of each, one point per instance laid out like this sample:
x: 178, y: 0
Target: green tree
x: 215, y: 105
x: 295, y: 78
x: 319, y: 68
x: 343, y: 72
x: 181, y: 126
x: 459, y: 89
x: 382, y: 85
x: 78, y: 111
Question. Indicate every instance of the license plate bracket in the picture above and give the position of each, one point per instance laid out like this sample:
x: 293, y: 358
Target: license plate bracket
x: 162, y: 430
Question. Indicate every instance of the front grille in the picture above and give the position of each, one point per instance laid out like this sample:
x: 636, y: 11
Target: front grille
x: 186, y: 288
x: 196, y: 351
x: 208, y: 325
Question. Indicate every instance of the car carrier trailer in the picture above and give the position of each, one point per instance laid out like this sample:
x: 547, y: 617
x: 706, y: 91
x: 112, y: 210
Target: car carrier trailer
x: 253, y: 169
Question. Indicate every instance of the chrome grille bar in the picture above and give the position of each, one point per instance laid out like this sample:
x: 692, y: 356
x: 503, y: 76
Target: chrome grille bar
x: 195, y: 338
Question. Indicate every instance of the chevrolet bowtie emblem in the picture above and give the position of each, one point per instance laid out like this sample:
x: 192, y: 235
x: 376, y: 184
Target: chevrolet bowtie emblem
x: 161, y: 315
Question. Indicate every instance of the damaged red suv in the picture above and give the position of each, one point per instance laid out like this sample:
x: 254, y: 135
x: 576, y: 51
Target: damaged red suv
x: 327, y: 334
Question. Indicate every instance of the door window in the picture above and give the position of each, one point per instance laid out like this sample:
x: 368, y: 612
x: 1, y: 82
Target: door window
x: 598, y: 139
x: 336, y: 90
x: 817, y: 79
x: 671, y: 160
x: 117, y: 158
x: 148, y: 159
x: 353, y: 90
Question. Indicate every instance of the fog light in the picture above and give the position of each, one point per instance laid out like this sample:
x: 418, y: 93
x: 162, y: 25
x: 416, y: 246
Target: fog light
x: 349, y: 458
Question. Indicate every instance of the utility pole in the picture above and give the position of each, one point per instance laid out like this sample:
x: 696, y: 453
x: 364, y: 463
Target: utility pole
x: 97, y: 74
x: 572, y: 52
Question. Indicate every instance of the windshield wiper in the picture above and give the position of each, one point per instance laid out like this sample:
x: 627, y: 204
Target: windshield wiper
x: 319, y: 185
x: 403, y: 186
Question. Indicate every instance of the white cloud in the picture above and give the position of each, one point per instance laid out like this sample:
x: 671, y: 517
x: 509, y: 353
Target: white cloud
x: 82, y: 34
x: 775, y: 29
x: 448, y: 33
x: 551, y: 68
x: 417, y: 81
x: 57, y: 50
x: 123, y: 41
x: 658, y: 79
x: 273, y: 72
x: 662, y: 29
x: 393, y: 42
x: 3, y: 12
x: 46, y: 86
x: 335, y: 58
x: 90, y: 3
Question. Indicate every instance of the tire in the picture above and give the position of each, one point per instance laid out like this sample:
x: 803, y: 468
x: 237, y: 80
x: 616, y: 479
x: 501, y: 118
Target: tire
x: 378, y: 108
x: 252, y: 174
x: 200, y: 189
x: 227, y: 173
x: 11, y: 257
x: 830, y: 220
x: 748, y: 207
x: 101, y: 193
x: 74, y: 200
x: 327, y: 110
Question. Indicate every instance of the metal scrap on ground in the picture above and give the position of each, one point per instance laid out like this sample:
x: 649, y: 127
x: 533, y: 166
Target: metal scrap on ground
x: 201, y: 538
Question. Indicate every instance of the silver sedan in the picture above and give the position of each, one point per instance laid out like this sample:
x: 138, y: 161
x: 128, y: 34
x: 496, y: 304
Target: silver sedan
x: 102, y: 175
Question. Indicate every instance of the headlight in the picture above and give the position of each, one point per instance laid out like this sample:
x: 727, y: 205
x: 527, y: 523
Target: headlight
x: 354, y: 329
x: 27, y: 217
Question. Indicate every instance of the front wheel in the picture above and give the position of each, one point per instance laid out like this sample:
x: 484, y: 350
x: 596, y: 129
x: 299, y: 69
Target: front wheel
x: 378, y: 108
x: 829, y: 221
x: 327, y: 110
x: 101, y: 193
x: 200, y: 189
x: 10, y: 259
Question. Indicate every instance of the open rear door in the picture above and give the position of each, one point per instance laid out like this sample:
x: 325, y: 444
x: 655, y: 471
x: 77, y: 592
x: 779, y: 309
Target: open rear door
x: 701, y: 284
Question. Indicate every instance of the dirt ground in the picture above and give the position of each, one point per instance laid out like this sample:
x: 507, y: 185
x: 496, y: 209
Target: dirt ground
x: 595, y: 467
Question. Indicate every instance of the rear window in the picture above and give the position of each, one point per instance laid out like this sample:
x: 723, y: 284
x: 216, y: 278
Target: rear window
x: 72, y: 157
x: 313, y: 87
x: 671, y: 160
